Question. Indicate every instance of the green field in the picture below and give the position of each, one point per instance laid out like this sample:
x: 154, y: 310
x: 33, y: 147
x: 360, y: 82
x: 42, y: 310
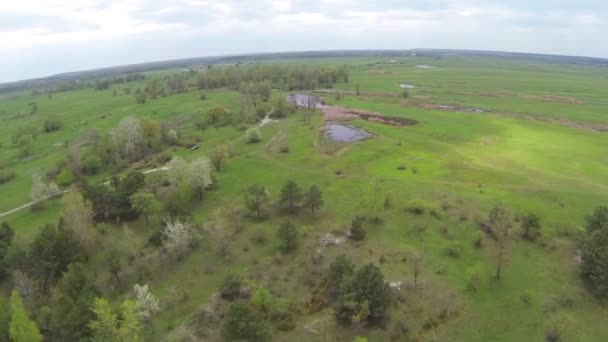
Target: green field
x: 534, y: 149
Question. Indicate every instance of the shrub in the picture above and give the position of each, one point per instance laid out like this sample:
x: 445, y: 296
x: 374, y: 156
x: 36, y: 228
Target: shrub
x: 52, y: 124
x: 253, y: 135
x: 453, y: 249
x: 91, y: 163
x: 231, y: 287
x: 262, y: 299
x: 288, y: 237
x: 357, y: 231
x: 242, y: 323
x: 416, y: 207
x: 65, y: 177
x: 260, y: 237
x: 530, y: 226
x: 6, y: 175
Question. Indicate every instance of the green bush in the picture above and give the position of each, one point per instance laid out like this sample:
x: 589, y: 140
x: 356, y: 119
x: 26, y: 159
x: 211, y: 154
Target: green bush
x: 357, y: 231
x: 242, y: 323
x: 231, y: 287
x: 6, y: 175
x: 253, y: 135
x: 65, y: 177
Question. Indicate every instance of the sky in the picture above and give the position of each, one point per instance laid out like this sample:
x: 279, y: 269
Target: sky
x: 44, y: 37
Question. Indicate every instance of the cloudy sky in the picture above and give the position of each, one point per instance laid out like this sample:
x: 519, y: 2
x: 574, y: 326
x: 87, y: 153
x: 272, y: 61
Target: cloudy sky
x: 43, y: 37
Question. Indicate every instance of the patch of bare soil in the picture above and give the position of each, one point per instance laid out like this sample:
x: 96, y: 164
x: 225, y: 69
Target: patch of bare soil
x: 337, y: 113
x: 554, y: 98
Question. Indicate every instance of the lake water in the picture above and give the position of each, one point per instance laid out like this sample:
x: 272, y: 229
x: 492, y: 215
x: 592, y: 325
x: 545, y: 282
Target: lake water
x: 341, y: 133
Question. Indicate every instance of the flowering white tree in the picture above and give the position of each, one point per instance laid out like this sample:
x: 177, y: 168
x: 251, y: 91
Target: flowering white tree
x: 179, y: 235
x: 147, y: 303
x: 129, y: 138
x: 200, y: 175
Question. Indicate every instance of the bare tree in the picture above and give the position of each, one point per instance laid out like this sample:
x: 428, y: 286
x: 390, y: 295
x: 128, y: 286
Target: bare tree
x: 78, y: 219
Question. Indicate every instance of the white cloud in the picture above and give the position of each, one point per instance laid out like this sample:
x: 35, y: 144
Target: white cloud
x: 161, y: 28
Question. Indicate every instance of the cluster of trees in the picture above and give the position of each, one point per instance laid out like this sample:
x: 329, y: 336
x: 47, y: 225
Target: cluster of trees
x: 51, y: 279
x: 102, y: 84
x: 357, y: 295
x: 594, y: 252
x: 113, y: 201
x: 162, y: 87
x: 291, y: 199
x: 287, y: 77
x: 132, y: 140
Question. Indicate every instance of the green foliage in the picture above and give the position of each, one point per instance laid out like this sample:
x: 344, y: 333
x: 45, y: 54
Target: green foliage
x: 218, y: 116
x: 65, y: 177
x: 253, y: 135
x: 256, y: 198
x: 91, y: 163
x: 288, y: 237
x: 52, y: 124
x: 6, y: 175
x: 357, y: 231
x: 594, y: 265
x: 313, y: 199
x: 282, y: 107
x: 6, y: 238
x: 72, y: 309
x: 145, y: 203
x: 364, y: 297
x: 291, y: 196
x: 262, y: 299
x: 49, y: 255
x: 231, y: 287
x: 530, y: 226
x: 242, y: 323
x: 5, y: 318
x: 121, y: 324
x: 113, y: 201
x: 359, y: 338
x: 22, y: 328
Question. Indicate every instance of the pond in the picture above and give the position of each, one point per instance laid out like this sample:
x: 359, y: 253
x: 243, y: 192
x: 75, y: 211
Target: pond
x: 345, y: 134
x: 304, y: 101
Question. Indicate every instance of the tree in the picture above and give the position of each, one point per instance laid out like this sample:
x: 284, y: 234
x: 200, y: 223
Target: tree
x: 26, y: 143
x: 6, y: 238
x: 242, y: 323
x: 120, y: 324
x: 500, y: 223
x: 78, y: 219
x: 178, y: 235
x: 129, y: 138
x: 290, y: 196
x: 5, y: 318
x: 357, y: 231
x: 72, y: 309
x: 49, y: 255
x: 40, y: 191
x: 253, y: 135
x: 358, y: 89
x: 594, y: 266
x: 151, y: 133
x: 256, y: 198
x: 313, y: 199
x: 147, y: 303
x: 530, y: 225
x: 366, y: 296
x: 288, y: 237
x: 218, y: 116
x: 22, y: 328
x: 220, y: 153
x: 145, y: 203
x: 200, y: 175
